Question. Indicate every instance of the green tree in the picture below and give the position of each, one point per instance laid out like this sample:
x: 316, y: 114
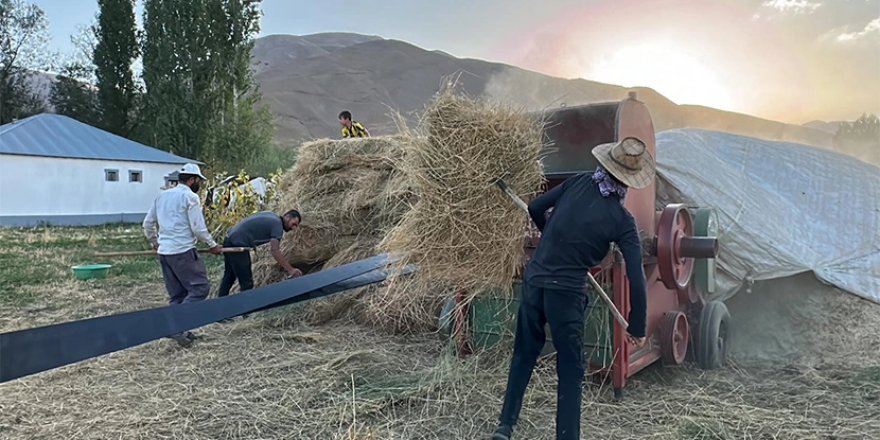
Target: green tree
x: 23, y: 39
x: 115, y: 51
x: 170, y: 115
x: 74, y: 93
x: 243, y: 130
x: 201, y: 98
x: 864, y: 129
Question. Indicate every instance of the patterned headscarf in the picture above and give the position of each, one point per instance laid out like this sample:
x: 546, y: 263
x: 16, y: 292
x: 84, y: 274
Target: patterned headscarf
x: 607, y: 185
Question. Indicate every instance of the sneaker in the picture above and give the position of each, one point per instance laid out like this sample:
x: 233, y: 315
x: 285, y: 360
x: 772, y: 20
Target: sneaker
x: 502, y: 433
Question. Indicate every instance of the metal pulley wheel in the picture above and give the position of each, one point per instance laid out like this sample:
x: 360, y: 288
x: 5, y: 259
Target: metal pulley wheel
x: 674, y: 337
x: 705, y: 225
x: 674, y: 226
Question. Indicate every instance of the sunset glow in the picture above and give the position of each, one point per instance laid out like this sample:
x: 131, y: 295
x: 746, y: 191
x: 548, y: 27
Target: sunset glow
x: 664, y: 66
x: 780, y: 60
x: 787, y: 60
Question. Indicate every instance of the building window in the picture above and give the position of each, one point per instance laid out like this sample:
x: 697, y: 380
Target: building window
x: 135, y: 176
x: 111, y: 175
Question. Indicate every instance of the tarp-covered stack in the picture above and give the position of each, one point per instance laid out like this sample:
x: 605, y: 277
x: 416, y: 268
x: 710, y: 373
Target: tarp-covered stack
x: 783, y: 208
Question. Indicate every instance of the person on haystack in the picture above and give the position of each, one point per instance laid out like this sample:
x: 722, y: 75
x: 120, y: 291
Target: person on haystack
x: 173, y: 225
x: 351, y: 129
x: 588, y: 215
x: 256, y: 230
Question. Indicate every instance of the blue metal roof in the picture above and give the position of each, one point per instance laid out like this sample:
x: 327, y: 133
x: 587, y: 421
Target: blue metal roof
x: 52, y: 135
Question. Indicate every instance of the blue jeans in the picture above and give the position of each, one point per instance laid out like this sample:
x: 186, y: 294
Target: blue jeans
x: 564, y: 310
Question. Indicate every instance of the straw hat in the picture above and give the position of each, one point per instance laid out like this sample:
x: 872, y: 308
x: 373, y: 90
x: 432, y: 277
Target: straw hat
x: 628, y: 161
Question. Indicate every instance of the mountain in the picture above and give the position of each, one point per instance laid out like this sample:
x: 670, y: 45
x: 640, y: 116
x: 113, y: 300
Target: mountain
x: 285, y: 50
x: 827, y: 126
x: 307, y: 80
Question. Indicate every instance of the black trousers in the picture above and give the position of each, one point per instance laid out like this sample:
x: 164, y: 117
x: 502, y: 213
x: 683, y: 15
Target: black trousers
x: 564, y: 311
x: 236, y: 265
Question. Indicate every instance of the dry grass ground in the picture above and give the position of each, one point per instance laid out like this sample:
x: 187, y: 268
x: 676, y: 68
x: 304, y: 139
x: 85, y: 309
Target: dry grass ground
x: 269, y: 378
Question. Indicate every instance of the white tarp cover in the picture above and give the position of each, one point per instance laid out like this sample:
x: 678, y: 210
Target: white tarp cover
x: 783, y: 208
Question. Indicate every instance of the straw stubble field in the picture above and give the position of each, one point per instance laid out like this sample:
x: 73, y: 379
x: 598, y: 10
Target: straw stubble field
x: 270, y: 377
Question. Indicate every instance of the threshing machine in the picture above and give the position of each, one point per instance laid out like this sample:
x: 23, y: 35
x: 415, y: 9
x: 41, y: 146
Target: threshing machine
x: 678, y: 249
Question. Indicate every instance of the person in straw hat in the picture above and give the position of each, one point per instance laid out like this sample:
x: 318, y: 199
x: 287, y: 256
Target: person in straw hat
x: 588, y: 215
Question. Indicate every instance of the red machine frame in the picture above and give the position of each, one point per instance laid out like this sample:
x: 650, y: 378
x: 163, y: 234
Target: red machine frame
x: 675, y: 308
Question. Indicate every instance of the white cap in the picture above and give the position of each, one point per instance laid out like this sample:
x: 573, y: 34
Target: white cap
x: 192, y: 169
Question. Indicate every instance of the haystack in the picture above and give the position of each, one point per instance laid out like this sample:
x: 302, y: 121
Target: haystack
x: 427, y: 195
x: 462, y: 232
x: 349, y: 192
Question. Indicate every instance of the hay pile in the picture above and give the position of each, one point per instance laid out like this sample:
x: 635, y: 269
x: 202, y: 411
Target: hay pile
x: 349, y: 193
x: 462, y: 232
x: 251, y: 379
x: 428, y: 195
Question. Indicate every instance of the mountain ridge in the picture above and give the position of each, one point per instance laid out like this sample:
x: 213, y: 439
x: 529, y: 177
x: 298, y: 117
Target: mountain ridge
x: 307, y: 80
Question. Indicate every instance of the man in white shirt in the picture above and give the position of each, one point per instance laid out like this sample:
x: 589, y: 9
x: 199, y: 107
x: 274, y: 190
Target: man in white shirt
x: 173, y: 225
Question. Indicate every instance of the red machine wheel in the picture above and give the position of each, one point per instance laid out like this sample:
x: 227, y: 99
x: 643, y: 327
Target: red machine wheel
x: 674, y: 225
x: 674, y: 337
x: 714, y: 340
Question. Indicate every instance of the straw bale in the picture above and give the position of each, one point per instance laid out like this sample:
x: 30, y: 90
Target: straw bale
x: 349, y: 304
x: 428, y: 195
x: 349, y: 192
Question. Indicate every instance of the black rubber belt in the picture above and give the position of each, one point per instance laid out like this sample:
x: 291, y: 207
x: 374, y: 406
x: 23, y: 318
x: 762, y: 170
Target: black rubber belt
x: 375, y: 276
x: 31, y: 351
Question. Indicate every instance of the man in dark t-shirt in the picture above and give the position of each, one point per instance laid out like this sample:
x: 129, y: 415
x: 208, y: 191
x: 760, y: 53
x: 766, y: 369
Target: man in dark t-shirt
x: 588, y: 216
x: 258, y: 229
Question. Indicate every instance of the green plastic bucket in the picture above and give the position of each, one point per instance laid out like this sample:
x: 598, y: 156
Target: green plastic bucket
x: 89, y: 271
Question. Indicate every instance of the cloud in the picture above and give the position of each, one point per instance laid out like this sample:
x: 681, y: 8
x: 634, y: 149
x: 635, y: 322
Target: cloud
x: 792, y: 6
x: 872, y: 28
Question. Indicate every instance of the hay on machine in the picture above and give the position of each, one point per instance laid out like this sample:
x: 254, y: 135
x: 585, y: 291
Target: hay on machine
x: 461, y: 232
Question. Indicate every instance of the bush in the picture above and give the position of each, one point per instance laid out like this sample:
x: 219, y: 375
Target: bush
x: 229, y: 199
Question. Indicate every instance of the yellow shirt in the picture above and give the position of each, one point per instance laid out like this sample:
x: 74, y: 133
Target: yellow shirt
x: 357, y: 130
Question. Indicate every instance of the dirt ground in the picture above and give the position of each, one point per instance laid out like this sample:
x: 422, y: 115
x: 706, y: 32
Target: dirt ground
x: 801, y: 320
x: 271, y: 377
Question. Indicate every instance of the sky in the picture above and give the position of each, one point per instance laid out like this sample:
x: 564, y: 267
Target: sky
x: 787, y: 60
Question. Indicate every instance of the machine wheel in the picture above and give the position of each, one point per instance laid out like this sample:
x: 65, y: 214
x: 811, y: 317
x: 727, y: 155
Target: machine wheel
x: 714, y: 340
x: 674, y: 337
x: 674, y: 224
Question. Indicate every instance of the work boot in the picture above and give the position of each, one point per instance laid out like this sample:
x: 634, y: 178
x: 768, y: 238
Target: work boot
x: 504, y: 432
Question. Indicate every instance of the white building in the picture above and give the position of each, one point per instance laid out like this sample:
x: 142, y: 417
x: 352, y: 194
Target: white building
x: 58, y: 171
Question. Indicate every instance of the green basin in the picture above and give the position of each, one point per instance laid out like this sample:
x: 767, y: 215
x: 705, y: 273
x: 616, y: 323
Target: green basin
x: 89, y: 271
